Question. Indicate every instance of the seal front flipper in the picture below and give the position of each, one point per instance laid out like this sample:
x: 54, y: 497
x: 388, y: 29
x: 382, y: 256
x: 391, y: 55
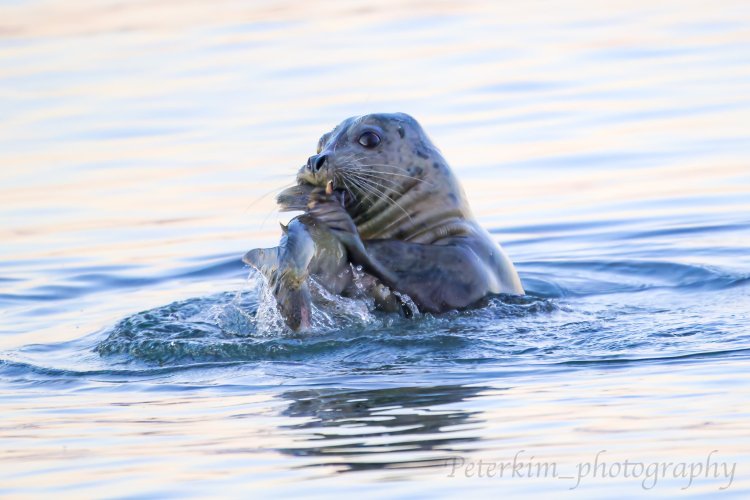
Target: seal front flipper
x: 438, y: 278
x: 403, y: 267
x: 327, y: 209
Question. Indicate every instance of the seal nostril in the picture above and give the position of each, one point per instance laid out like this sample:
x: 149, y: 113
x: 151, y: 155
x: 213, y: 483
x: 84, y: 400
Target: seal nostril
x: 319, y: 161
x: 316, y: 162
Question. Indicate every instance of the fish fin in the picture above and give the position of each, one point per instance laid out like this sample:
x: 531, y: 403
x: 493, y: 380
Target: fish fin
x: 265, y: 260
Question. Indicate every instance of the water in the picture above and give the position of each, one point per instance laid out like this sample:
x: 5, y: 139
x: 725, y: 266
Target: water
x: 606, y: 147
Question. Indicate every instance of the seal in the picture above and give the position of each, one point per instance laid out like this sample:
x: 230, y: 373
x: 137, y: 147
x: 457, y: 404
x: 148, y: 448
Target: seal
x: 389, y: 197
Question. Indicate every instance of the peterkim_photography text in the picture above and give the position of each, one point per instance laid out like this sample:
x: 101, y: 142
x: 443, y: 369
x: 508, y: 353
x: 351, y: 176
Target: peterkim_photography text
x: 649, y: 474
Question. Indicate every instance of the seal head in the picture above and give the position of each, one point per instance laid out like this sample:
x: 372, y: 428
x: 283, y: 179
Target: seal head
x: 397, y: 183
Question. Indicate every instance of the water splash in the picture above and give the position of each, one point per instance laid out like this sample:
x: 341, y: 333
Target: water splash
x: 247, y: 326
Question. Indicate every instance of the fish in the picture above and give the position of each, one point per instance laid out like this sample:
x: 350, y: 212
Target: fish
x: 308, y: 250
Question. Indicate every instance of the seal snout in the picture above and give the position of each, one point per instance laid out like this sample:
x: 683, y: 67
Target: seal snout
x: 316, y: 162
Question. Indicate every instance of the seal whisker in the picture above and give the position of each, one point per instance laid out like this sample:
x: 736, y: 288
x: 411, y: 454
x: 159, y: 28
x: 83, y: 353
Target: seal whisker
x: 384, y: 196
x: 360, y: 157
x: 376, y: 182
x: 365, y: 188
x: 348, y: 168
x: 347, y: 158
x: 361, y: 200
x: 263, y: 195
x: 348, y: 190
x: 382, y: 184
x: 360, y: 169
x: 386, y: 200
x: 391, y: 182
x: 343, y: 178
x: 369, y: 191
x: 384, y: 176
x: 349, y: 162
x: 350, y: 159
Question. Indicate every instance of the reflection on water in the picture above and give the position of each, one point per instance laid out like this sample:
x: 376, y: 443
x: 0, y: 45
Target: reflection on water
x: 605, y: 146
x: 370, y: 429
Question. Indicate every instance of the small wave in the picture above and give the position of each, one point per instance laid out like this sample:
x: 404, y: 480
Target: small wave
x: 11, y: 368
x: 723, y: 353
x: 78, y: 282
x: 553, y: 278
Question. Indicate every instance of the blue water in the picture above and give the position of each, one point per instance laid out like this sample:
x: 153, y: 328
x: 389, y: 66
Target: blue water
x: 605, y: 147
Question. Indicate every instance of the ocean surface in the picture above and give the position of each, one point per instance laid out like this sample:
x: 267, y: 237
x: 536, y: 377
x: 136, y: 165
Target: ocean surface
x: 605, y: 145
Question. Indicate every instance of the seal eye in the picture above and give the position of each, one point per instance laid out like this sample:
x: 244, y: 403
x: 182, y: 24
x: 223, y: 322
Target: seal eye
x: 369, y: 139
